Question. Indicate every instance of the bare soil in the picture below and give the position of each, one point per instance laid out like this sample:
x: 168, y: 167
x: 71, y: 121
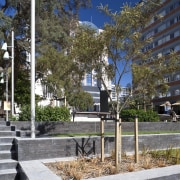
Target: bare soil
x: 86, y: 167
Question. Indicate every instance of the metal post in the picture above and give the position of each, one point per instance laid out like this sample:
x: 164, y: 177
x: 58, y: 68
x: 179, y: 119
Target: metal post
x: 102, y: 139
x: 7, y: 119
x: 136, y: 140
x: 12, y: 73
x: 32, y: 68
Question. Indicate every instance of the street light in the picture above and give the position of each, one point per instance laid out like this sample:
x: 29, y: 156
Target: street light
x: 7, y: 57
x: 6, y: 103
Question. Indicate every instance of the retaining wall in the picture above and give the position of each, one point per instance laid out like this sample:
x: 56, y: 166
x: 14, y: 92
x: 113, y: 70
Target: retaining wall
x: 45, y: 148
x: 47, y: 128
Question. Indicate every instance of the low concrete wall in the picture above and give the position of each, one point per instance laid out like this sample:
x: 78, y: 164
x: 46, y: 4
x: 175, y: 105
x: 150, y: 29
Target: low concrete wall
x: 46, y: 128
x: 35, y: 170
x: 45, y: 148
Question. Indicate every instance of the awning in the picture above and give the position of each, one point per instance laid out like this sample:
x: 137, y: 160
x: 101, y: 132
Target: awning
x: 176, y: 103
x: 167, y: 103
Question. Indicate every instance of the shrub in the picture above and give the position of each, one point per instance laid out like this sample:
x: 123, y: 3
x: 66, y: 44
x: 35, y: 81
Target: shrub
x: 143, y: 116
x: 45, y: 114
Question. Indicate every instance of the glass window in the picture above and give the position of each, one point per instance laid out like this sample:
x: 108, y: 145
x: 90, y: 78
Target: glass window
x: 177, y: 33
x: 171, y: 21
x: 163, y: 13
x: 177, y: 92
x: 95, y: 82
x: 177, y: 77
x: 172, y: 36
x: 171, y: 7
x: 162, y: 27
x: 166, y: 79
x: 89, y: 79
x: 177, y: 48
x: 167, y: 38
x: 150, y: 34
x: 168, y: 94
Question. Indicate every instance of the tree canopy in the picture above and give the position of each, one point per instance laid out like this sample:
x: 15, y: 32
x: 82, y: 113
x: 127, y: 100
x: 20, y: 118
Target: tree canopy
x: 65, y: 50
x: 54, y: 21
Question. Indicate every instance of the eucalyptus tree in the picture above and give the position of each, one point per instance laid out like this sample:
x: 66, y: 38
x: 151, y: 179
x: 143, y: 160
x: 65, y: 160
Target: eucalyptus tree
x: 124, y: 43
x: 54, y: 21
x: 120, y: 40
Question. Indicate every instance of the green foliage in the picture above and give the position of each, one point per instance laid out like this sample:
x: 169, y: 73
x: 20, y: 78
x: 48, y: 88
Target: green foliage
x: 81, y: 100
x: 22, y: 90
x: 46, y: 114
x: 172, y: 155
x: 148, y: 116
x: 52, y: 29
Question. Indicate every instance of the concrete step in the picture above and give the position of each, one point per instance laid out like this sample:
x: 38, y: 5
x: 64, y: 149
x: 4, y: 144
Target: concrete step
x: 5, y: 123
x: 7, y: 128
x: 5, y: 146
x: 7, y: 133
x: 8, y: 139
x: 8, y: 164
x: 8, y: 174
x: 6, y: 155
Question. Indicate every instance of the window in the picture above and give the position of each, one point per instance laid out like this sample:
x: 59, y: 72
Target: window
x: 172, y: 36
x: 156, y: 31
x: 150, y: 34
x: 89, y: 79
x: 155, y: 43
x: 166, y: 52
x: 167, y: 38
x: 166, y: 79
x: 95, y: 82
x: 168, y: 94
x: 171, y: 21
x: 163, y: 13
x: 177, y: 92
x: 177, y: 48
x: 177, y: 77
x: 177, y: 19
x: 162, y: 27
x: 177, y: 33
x: 171, y: 7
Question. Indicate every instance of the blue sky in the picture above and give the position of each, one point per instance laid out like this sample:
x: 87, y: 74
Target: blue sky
x: 99, y: 19
x: 93, y: 15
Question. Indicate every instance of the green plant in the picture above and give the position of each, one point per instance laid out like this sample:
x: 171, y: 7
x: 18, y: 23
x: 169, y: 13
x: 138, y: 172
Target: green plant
x: 14, y: 118
x: 169, y: 153
x: 143, y: 116
x: 46, y: 113
x: 25, y: 114
x: 177, y: 156
x: 145, y: 151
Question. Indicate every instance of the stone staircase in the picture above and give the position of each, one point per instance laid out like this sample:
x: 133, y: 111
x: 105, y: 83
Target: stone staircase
x: 8, y: 164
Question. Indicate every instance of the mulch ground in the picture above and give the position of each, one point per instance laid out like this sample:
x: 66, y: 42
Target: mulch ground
x: 86, y: 167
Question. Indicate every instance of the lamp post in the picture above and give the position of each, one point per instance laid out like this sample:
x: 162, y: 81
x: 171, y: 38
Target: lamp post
x: 7, y: 57
x: 7, y: 119
x: 32, y: 68
x: 6, y: 103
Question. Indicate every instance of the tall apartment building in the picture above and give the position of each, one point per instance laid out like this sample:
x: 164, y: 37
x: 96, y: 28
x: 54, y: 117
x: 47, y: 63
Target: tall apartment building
x: 166, y: 33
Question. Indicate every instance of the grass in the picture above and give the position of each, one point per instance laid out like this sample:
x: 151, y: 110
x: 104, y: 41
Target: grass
x: 111, y: 134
